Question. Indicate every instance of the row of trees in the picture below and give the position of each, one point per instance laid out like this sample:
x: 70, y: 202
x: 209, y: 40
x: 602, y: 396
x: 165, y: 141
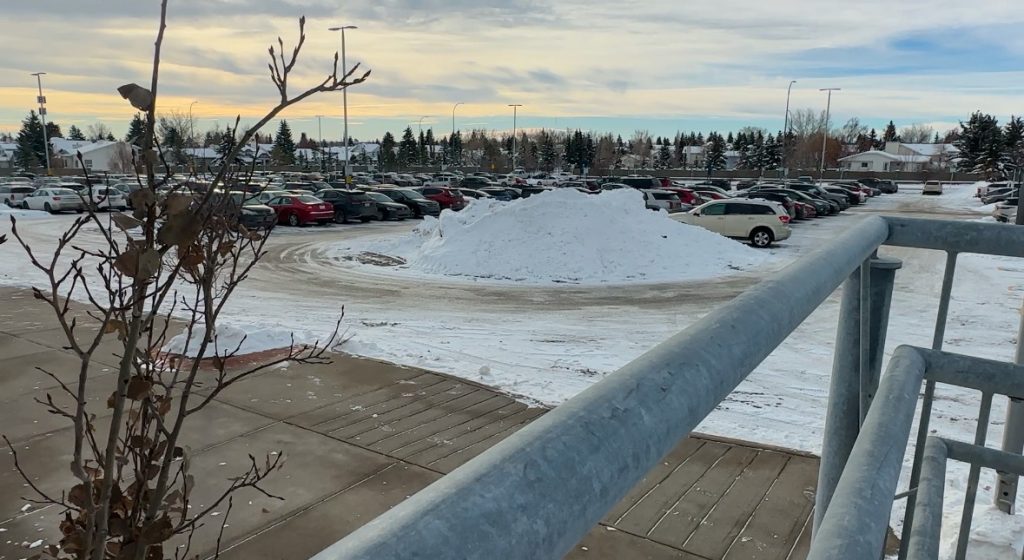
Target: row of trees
x: 985, y: 146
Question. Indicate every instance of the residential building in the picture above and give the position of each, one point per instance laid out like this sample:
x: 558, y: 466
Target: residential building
x: 102, y: 155
x: 898, y: 156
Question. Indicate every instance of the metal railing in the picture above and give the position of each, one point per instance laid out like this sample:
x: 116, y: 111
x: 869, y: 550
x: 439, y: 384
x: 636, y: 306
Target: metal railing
x: 538, y: 492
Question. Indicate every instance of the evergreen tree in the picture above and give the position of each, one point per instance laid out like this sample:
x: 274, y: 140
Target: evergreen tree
x: 407, y: 149
x: 890, y: 134
x: 546, y: 151
x: 110, y: 137
x: 430, y: 141
x: 664, y: 156
x: 981, y: 145
x: 75, y: 133
x: 1013, y: 142
x: 714, y: 153
x: 387, y: 158
x: 421, y: 149
x: 729, y: 141
x: 456, y: 147
x: 223, y: 149
x: 136, y: 129
x: 31, y: 150
x: 678, y: 153
x: 589, y: 152
x: 283, y: 152
x: 53, y: 130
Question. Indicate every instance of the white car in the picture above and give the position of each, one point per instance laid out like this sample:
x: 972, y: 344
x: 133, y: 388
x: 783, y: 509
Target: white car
x: 53, y: 200
x: 12, y: 194
x: 657, y: 199
x: 932, y: 187
x: 760, y: 221
x: 102, y: 197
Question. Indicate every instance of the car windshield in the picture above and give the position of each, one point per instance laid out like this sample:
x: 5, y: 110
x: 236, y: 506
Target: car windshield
x: 379, y: 197
x: 664, y: 196
x: 412, y: 194
x: 62, y: 192
x: 309, y: 199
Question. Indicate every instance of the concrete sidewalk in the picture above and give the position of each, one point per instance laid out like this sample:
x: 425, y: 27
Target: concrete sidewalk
x: 361, y: 436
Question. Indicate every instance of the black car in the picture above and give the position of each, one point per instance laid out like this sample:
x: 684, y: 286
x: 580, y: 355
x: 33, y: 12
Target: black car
x: 999, y: 195
x: 503, y: 194
x: 879, y: 185
x: 388, y: 209
x: 814, y: 190
x: 785, y: 201
x: 723, y: 184
x: 851, y: 197
x: 475, y: 182
x: 413, y: 200
x: 471, y: 193
x: 640, y: 182
x: 349, y: 205
x: 822, y: 207
x: 243, y: 209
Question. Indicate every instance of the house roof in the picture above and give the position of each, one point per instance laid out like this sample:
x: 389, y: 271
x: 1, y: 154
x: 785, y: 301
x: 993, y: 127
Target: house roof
x: 931, y: 149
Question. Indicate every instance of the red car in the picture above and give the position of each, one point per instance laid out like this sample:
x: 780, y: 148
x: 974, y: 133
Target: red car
x: 447, y: 198
x: 713, y: 195
x: 688, y: 196
x: 301, y: 209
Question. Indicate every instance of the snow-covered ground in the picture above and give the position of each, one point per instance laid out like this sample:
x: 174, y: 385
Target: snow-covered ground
x: 546, y: 342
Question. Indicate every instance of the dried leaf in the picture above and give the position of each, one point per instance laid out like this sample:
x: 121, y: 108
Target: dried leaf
x: 139, y: 388
x: 118, y: 326
x: 137, y: 265
x: 78, y: 496
x: 180, y: 230
x: 164, y: 407
x: 112, y: 399
x: 140, y: 97
x: 118, y: 526
x: 125, y: 222
x: 172, y: 497
x: 157, y: 531
x: 139, y: 442
x: 142, y: 199
x: 191, y: 257
x: 176, y: 203
x: 155, y: 552
x: 225, y: 248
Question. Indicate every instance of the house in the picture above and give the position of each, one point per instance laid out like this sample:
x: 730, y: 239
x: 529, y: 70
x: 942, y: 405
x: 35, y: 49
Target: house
x: 7, y: 150
x: 694, y: 156
x: 878, y: 160
x: 102, y: 155
x: 898, y: 156
x: 939, y: 155
x: 732, y: 159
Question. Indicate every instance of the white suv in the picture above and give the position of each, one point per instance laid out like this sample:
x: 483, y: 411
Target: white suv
x: 759, y: 221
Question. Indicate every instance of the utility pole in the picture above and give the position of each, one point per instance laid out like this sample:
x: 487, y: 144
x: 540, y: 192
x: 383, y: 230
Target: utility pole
x: 42, y: 115
x: 320, y: 141
x: 515, y: 109
x: 344, y: 99
x: 824, y: 132
x: 785, y: 129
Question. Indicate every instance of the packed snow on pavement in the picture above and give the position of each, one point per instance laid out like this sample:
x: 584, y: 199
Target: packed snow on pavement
x: 545, y: 342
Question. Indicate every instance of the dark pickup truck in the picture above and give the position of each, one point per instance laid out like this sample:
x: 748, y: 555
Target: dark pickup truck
x: 349, y: 205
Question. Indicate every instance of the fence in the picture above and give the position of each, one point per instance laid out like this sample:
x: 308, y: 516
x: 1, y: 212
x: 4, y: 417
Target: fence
x: 537, y: 493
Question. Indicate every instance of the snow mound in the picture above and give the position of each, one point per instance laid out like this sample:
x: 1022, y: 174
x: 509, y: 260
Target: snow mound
x: 566, y: 236
x: 227, y: 339
x: 20, y: 214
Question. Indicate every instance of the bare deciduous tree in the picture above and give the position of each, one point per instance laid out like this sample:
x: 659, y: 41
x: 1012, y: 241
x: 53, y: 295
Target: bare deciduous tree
x: 917, y: 134
x: 175, y: 261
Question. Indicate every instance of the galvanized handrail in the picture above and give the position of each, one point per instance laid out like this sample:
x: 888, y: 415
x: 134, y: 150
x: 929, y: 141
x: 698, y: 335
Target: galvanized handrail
x: 537, y: 493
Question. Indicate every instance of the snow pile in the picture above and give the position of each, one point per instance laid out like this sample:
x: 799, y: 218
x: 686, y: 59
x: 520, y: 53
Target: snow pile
x: 20, y: 214
x: 227, y: 340
x: 567, y: 236
x: 994, y: 534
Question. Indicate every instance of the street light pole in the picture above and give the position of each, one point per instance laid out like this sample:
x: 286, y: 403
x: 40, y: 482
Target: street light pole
x: 42, y: 115
x: 344, y: 97
x: 785, y: 128
x: 824, y: 132
x: 320, y: 142
x: 452, y: 137
x: 515, y: 110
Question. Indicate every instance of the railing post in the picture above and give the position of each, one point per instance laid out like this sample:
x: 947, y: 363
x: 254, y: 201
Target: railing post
x: 852, y: 387
x: 1013, y: 434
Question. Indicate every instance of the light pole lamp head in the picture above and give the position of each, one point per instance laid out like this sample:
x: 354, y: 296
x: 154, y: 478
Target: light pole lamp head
x: 37, y: 74
x: 342, y: 28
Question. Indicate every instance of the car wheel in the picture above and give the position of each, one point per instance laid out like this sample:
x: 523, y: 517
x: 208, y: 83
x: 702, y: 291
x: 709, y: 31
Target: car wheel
x: 47, y: 207
x: 293, y: 220
x: 24, y: 205
x: 381, y: 216
x: 761, y: 238
x: 340, y: 217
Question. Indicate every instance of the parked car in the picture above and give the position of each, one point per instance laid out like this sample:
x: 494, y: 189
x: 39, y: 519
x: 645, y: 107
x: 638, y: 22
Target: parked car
x: 301, y: 209
x: 448, y: 198
x: 724, y: 184
x: 414, y: 200
x: 854, y: 196
x: 244, y: 208
x: 640, y: 182
x: 53, y: 200
x: 349, y: 205
x: 102, y: 197
x: 986, y: 189
x: 821, y: 207
x: 12, y: 195
x: 686, y: 196
x: 999, y: 195
x: 474, y: 193
x: 760, y: 222
x: 658, y: 199
x: 1007, y: 211
x: 388, y: 209
x: 503, y: 194
x: 932, y: 187
x: 786, y: 202
x: 814, y: 190
x: 526, y: 191
x: 475, y: 182
x: 708, y: 194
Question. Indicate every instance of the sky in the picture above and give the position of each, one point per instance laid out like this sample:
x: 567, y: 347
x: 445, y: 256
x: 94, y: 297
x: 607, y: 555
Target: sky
x: 656, y: 65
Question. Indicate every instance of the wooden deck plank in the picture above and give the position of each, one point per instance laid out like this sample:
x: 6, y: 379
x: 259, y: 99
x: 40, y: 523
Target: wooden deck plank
x: 774, y: 527
x: 803, y: 542
x: 360, y: 402
x: 398, y: 408
x: 438, y: 452
x: 445, y: 438
x: 402, y: 425
x: 651, y: 508
x: 670, y: 463
x: 719, y: 529
x: 457, y: 459
x: 686, y: 515
x: 489, y: 403
x: 604, y: 543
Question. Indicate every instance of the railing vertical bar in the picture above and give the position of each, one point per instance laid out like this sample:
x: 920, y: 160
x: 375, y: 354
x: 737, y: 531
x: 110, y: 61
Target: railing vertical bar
x: 863, y: 364
x: 926, y: 402
x: 967, y: 517
x: 923, y: 543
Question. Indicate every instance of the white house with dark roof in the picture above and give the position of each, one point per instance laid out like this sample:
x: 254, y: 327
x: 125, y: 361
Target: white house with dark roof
x: 898, y: 156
